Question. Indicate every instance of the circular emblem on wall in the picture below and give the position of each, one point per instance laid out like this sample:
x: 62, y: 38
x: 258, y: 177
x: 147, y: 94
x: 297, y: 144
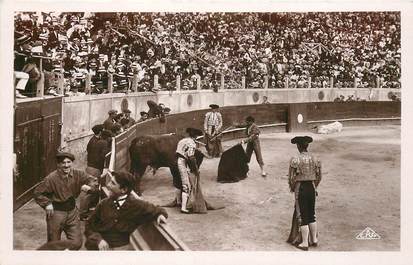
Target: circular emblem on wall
x: 189, y: 100
x: 390, y: 94
x: 124, y: 104
x: 300, y: 118
x: 321, y: 95
x: 255, y: 97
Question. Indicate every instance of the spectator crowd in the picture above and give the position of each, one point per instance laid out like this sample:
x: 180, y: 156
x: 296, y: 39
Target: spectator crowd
x: 354, y: 48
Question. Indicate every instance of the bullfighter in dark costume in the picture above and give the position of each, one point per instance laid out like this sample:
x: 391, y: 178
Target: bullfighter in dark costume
x: 304, y: 177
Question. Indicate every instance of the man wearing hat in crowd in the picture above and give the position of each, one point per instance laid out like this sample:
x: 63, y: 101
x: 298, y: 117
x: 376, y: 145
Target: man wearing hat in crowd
x: 57, y: 194
x: 110, y: 121
x: 34, y: 75
x: 97, y: 148
x: 212, y: 129
x: 22, y: 50
x: 117, y: 216
x: 185, y: 152
x: 144, y: 116
x: 303, y: 179
x: 253, y: 143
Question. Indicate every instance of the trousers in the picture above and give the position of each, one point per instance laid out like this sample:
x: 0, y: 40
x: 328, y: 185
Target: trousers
x: 67, y: 222
x: 306, y: 202
x: 255, y: 147
x: 184, y: 172
x: 23, y: 78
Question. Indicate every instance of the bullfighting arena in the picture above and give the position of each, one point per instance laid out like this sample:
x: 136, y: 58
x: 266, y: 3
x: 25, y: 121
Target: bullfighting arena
x: 361, y: 173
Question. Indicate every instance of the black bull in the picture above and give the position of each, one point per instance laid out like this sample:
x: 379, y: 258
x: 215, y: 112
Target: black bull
x: 156, y: 151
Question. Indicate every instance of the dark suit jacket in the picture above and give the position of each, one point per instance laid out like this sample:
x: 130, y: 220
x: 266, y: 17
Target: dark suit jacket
x: 115, y: 225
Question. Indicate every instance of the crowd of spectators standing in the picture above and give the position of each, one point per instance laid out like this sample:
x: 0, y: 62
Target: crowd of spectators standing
x: 353, y: 48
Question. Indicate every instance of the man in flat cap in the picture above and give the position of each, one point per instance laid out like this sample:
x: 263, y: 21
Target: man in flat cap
x: 111, y: 120
x: 117, y: 216
x: 57, y: 194
x: 212, y: 129
x: 303, y: 179
x: 185, y: 152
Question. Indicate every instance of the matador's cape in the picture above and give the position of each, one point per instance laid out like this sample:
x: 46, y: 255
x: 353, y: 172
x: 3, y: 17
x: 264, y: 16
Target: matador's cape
x: 233, y: 165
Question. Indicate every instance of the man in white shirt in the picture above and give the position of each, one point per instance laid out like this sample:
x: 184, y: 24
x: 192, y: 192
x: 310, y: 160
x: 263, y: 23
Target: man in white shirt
x: 212, y: 128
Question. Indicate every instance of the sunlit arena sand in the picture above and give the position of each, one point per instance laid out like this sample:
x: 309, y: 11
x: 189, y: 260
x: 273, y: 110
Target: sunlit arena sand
x: 360, y: 188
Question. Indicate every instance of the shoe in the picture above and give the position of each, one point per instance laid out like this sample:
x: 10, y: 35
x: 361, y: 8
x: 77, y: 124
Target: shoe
x: 302, y: 248
x: 314, y: 244
x: 263, y: 174
x: 18, y: 95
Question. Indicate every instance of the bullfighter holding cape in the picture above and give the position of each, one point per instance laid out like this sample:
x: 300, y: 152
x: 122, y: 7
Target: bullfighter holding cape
x: 191, y: 197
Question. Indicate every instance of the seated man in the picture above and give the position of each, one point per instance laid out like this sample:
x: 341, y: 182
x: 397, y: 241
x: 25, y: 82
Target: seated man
x: 116, y: 217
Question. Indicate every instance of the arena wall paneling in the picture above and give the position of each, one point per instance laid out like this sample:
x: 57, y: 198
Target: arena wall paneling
x: 342, y: 110
x: 97, y: 106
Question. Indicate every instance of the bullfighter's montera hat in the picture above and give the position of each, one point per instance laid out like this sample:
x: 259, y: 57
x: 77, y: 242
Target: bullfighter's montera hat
x: 301, y: 140
x: 214, y: 106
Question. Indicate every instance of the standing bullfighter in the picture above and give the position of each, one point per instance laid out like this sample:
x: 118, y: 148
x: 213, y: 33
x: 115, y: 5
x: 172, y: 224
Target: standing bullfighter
x: 253, y: 143
x: 185, y: 152
x: 304, y: 177
x: 212, y: 128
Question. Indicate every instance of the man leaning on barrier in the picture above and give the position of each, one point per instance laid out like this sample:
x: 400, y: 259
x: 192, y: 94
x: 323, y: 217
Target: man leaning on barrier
x: 57, y: 194
x: 117, y: 216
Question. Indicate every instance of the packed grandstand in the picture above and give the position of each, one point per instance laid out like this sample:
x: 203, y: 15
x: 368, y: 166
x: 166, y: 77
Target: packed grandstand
x: 294, y: 50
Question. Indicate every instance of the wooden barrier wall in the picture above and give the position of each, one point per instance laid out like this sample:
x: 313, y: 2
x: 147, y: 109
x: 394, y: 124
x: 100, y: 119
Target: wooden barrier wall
x: 343, y: 110
x: 266, y: 115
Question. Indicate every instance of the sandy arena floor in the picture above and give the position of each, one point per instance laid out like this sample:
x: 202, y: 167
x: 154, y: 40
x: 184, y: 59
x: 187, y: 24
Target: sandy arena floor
x: 360, y: 188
